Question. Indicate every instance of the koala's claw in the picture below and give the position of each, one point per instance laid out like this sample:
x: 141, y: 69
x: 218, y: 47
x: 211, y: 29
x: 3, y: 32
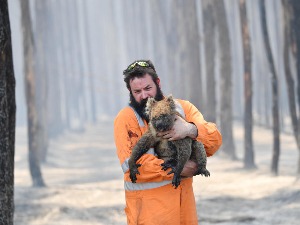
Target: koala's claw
x: 176, y: 180
x: 133, y: 172
x: 203, y: 172
x: 167, y: 165
x: 172, y: 171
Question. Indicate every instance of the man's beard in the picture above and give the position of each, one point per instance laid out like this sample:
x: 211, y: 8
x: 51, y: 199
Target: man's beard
x: 140, y: 107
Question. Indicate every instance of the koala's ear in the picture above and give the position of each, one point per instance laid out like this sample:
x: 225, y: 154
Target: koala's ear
x: 149, y: 105
x: 170, y: 98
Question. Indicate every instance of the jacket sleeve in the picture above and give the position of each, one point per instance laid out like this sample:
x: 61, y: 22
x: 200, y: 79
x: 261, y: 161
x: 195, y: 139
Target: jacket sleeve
x: 208, y: 132
x: 126, y: 134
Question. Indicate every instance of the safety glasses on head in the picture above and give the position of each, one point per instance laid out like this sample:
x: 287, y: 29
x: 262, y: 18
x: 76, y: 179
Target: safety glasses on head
x: 139, y: 63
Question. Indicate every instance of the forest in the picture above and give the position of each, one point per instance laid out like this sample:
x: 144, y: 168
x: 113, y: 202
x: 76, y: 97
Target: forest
x: 237, y: 61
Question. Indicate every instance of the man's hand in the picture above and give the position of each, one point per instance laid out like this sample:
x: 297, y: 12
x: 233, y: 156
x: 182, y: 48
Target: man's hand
x: 180, y: 130
x: 189, y: 169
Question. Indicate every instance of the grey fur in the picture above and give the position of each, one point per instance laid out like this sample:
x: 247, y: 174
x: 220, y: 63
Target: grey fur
x: 174, y: 153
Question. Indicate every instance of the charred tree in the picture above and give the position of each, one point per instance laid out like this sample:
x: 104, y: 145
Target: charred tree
x: 288, y: 75
x: 189, y: 51
x: 65, y: 67
x: 32, y: 114
x: 41, y: 70
x: 275, y: 107
x: 296, y: 32
x: 226, y: 118
x: 209, y: 27
x: 7, y: 119
x: 248, y: 119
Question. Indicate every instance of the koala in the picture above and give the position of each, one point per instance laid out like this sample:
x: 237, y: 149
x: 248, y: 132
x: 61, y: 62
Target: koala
x: 175, y: 154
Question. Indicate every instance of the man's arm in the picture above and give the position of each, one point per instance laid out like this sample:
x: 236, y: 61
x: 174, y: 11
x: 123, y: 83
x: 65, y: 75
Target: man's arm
x: 208, y: 132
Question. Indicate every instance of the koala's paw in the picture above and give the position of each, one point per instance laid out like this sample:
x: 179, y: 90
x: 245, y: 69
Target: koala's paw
x: 203, y: 172
x: 176, y: 180
x: 133, y: 172
x: 167, y: 165
x: 173, y: 170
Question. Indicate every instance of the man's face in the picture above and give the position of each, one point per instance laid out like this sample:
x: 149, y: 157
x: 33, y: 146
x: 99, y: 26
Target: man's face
x: 141, y: 89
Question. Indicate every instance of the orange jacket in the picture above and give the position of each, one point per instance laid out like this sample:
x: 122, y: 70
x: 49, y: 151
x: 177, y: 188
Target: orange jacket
x: 129, y: 127
x: 153, y: 200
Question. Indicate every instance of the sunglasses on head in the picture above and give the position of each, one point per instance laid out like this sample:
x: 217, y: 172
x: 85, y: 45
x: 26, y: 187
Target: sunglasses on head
x: 139, y: 63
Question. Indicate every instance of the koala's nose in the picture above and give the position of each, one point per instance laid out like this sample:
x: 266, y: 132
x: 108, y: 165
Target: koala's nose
x: 161, y: 124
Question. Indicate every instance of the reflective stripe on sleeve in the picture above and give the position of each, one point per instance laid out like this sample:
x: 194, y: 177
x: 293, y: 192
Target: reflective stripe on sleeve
x: 139, y: 119
x: 144, y: 186
x: 125, y: 166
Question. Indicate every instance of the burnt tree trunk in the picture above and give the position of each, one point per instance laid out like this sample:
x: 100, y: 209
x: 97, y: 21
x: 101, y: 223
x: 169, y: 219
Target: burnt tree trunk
x: 209, y: 25
x: 189, y: 53
x: 295, y: 27
x: 32, y: 114
x: 289, y: 78
x: 226, y: 80
x: 42, y: 76
x: 296, y: 32
x: 7, y: 119
x: 65, y: 66
x: 248, y: 120
x: 275, y: 107
x: 192, y: 52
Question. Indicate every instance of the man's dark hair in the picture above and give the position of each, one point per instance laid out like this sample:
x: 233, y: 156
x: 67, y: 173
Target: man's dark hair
x: 138, y: 69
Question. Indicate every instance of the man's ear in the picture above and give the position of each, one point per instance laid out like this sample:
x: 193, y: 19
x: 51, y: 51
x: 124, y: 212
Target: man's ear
x: 158, y: 82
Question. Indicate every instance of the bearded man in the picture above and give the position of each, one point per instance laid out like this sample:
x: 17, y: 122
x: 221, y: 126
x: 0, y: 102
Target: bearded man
x: 153, y: 200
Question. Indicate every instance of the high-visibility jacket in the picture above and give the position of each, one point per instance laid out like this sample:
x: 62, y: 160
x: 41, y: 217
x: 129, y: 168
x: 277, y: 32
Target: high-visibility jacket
x: 153, y: 200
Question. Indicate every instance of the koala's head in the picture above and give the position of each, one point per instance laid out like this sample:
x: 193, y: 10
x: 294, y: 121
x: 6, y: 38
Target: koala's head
x: 161, y: 113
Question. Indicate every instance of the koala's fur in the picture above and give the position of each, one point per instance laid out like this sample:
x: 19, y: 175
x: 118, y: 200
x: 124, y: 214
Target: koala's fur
x: 174, y: 153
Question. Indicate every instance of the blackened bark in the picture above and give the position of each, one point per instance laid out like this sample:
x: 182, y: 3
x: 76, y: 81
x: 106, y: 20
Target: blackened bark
x: 249, y: 153
x: 192, y: 59
x: 32, y: 115
x: 275, y: 107
x: 64, y: 56
x: 209, y: 27
x: 41, y: 69
x: 295, y: 27
x: 226, y: 80
x: 289, y: 79
x: 7, y: 119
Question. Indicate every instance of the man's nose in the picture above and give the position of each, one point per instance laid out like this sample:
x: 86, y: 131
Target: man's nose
x: 144, y: 95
